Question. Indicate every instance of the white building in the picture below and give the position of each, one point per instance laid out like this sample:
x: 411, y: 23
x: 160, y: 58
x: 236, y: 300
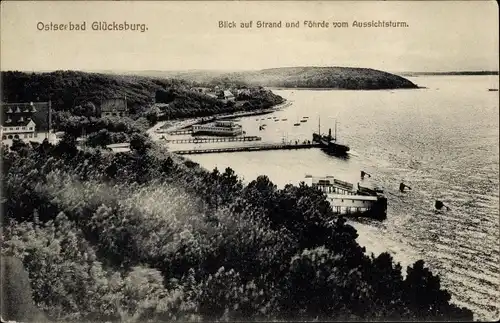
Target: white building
x: 228, y: 95
x: 17, y: 122
x: 343, y: 197
x: 219, y: 128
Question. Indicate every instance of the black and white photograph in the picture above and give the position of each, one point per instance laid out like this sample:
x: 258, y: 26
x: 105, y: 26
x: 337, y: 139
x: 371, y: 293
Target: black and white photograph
x: 249, y: 161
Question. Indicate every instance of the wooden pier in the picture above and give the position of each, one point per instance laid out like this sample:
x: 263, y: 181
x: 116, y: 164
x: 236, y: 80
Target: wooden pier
x: 248, y: 148
x: 179, y: 132
x: 212, y: 139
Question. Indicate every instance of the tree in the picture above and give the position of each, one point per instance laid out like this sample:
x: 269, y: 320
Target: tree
x: 152, y: 114
x: 16, y: 300
x: 426, y: 299
x: 67, y: 145
x: 140, y: 143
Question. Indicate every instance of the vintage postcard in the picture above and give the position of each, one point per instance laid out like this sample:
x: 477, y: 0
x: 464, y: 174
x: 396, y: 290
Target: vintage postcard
x: 249, y: 161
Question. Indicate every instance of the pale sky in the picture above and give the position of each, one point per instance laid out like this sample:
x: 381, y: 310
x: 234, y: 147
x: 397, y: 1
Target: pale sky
x: 442, y: 36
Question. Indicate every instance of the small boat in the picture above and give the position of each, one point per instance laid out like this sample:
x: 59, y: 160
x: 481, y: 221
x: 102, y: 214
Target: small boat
x: 305, y: 117
x: 284, y: 119
x: 303, y: 120
x: 493, y: 90
x: 296, y: 124
x: 276, y: 120
x: 269, y: 117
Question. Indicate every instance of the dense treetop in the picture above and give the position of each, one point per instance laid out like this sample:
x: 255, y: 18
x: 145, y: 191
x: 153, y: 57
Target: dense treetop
x: 149, y: 236
x: 81, y: 94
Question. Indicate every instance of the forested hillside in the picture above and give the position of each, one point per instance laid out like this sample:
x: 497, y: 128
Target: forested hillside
x: 146, y: 236
x: 299, y: 77
x: 76, y: 92
x: 323, y: 77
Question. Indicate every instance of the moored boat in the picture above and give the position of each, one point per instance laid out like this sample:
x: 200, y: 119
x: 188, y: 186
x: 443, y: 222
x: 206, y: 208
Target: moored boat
x: 329, y: 143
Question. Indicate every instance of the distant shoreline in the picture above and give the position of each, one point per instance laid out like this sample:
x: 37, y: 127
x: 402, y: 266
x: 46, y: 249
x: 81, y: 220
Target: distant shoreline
x: 174, y: 124
x: 337, y: 89
x: 465, y: 73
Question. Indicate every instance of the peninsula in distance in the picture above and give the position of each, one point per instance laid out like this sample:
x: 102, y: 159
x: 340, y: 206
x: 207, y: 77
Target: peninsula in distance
x: 349, y: 78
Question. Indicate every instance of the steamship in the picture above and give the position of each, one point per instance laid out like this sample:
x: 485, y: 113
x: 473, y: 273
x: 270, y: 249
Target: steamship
x: 329, y: 143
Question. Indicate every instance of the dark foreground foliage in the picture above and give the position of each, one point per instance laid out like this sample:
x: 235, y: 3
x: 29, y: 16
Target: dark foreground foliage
x: 148, y: 236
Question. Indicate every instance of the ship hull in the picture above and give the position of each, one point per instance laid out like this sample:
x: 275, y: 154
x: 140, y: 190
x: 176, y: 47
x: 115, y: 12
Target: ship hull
x: 330, y: 147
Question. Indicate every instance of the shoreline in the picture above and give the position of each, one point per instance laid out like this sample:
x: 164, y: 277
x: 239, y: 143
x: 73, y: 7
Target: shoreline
x: 338, y: 89
x: 180, y: 124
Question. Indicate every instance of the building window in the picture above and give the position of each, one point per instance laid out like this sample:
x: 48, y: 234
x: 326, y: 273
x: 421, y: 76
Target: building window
x: 31, y: 128
x: 24, y: 128
x: 17, y: 128
x: 25, y: 136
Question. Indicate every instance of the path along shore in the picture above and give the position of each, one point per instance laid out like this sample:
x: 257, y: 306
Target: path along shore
x: 161, y: 127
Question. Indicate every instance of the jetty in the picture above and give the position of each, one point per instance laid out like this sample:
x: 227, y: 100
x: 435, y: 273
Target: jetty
x: 178, y: 132
x: 212, y: 139
x: 247, y: 148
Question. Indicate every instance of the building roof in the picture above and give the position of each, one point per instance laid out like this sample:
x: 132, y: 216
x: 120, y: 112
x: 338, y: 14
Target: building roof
x: 19, y: 114
x: 14, y: 108
x: 16, y: 121
x: 228, y: 93
x: 114, y: 104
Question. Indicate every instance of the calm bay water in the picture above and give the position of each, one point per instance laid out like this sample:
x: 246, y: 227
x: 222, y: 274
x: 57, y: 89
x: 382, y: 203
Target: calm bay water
x: 443, y: 141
